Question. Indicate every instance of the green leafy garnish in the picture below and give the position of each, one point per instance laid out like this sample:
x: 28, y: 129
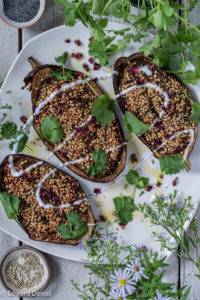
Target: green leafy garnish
x: 176, y: 38
x: 195, y: 114
x: 62, y: 59
x: 100, y: 162
x: 74, y: 229
x: 21, y: 143
x: 8, y: 130
x: 134, y: 178
x: 11, y: 205
x: 51, y: 130
x: 133, y: 125
x: 124, y: 206
x: 172, y: 164
x: 63, y: 75
x: 103, y: 110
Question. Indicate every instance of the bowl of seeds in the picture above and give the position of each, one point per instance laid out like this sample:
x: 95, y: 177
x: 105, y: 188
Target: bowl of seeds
x: 21, y: 13
x: 25, y: 271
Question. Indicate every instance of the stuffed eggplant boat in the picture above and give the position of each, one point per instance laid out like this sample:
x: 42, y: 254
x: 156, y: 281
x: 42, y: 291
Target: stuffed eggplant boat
x: 60, y: 213
x: 76, y: 136
x: 159, y: 99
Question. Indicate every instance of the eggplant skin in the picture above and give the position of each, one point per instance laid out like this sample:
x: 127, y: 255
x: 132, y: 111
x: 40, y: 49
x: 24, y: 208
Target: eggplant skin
x: 139, y: 60
x: 54, y: 238
x: 34, y: 81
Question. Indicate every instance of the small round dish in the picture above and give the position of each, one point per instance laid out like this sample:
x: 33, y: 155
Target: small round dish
x: 36, y: 268
x: 8, y: 21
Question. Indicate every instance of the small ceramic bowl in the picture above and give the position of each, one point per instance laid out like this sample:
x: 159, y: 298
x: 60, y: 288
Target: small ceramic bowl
x: 15, y: 253
x: 22, y: 24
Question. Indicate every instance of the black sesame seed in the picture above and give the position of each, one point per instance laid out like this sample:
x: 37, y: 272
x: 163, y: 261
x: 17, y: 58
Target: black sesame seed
x: 21, y: 10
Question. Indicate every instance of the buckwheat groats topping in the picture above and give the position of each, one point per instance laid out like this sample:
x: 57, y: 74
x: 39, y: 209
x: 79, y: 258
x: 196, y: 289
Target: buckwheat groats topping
x: 147, y: 103
x: 72, y: 108
x: 39, y: 222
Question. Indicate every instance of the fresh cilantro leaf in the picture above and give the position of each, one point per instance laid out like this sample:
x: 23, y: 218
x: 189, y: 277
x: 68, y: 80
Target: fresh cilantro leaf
x: 21, y: 143
x: 172, y: 164
x: 62, y: 59
x: 195, y: 114
x: 51, y: 130
x: 134, y: 178
x: 8, y: 130
x: 74, y: 229
x: 124, y: 206
x: 11, y: 205
x: 63, y: 75
x: 100, y: 162
x: 103, y: 110
x: 133, y: 125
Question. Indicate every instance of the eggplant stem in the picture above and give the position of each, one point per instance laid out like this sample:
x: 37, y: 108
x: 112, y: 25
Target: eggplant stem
x: 34, y: 63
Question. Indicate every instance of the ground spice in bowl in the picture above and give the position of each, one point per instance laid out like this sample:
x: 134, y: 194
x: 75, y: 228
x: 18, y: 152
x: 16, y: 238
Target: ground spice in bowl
x: 21, y: 10
x: 24, y: 271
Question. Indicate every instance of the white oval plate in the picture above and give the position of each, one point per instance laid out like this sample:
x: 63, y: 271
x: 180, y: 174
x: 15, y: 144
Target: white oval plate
x: 45, y: 47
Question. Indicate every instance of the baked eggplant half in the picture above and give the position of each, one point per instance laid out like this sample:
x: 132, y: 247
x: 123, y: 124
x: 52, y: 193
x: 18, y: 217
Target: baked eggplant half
x: 71, y: 109
x: 159, y: 99
x: 65, y: 216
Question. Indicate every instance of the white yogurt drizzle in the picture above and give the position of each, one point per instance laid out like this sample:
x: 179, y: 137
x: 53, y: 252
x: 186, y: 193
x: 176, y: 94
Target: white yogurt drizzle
x: 52, y: 172
x: 145, y: 69
x: 63, y: 88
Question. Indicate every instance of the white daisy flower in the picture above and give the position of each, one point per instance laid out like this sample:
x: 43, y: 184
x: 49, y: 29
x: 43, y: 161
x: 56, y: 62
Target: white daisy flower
x: 116, y: 295
x: 136, y: 269
x: 161, y: 297
x: 123, y: 282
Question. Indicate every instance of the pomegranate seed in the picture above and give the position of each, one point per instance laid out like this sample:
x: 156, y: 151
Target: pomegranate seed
x: 86, y: 67
x: 134, y: 70
x: 148, y: 188
x: 77, y: 55
x: 78, y: 43
x: 91, y: 60
x: 141, y: 80
x: 96, y: 66
x: 175, y: 181
x: 97, y: 191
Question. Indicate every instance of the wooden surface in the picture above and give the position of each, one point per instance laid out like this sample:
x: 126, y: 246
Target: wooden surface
x: 179, y: 272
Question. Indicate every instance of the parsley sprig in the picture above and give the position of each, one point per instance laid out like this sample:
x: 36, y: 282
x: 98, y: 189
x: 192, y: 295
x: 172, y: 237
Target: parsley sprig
x: 75, y: 227
x: 135, y: 179
x: 172, y: 164
x: 124, y: 207
x: 103, y: 109
x: 100, y: 163
x: 63, y: 74
x: 51, y: 130
x: 176, y: 40
x: 11, y: 205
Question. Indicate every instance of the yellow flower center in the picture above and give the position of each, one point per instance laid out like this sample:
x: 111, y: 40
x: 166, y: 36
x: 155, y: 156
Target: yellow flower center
x: 122, y: 282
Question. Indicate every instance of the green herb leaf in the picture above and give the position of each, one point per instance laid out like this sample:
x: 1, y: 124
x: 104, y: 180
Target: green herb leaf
x: 124, y: 206
x: 21, y: 143
x: 8, y: 130
x: 172, y: 164
x: 63, y: 75
x: 103, y: 110
x: 134, y: 178
x: 62, y: 59
x: 75, y: 228
x: 11, y: 205
x: 100, y: 163
x: 133, y: 125
x: 51, y: 130
x: 195, y: 115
